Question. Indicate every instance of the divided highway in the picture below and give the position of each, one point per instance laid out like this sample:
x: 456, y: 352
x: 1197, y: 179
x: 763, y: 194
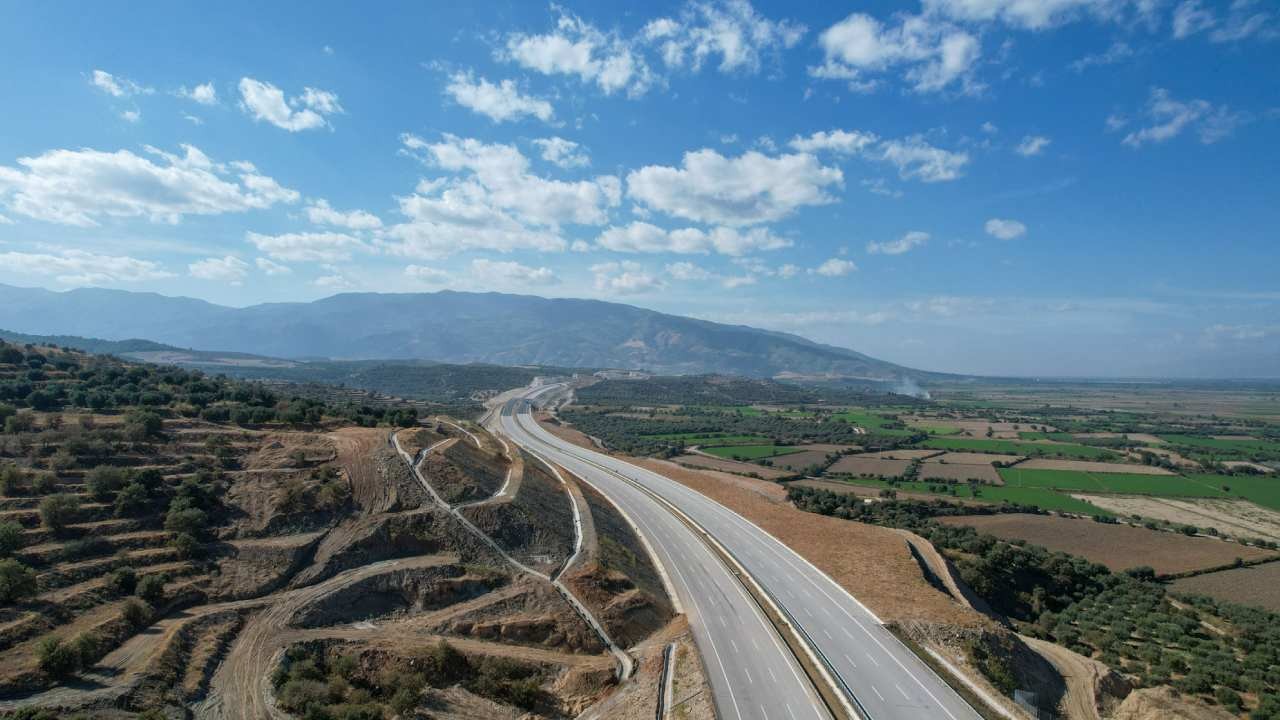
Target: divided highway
x: 751, y: 673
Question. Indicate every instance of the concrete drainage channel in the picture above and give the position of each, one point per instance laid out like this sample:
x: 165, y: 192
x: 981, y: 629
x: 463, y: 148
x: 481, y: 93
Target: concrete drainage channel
x: 626, y: 664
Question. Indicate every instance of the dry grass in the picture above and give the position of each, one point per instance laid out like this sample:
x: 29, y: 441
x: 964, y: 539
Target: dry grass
x: 732, y: 466
x: 857, y: 465
x: 1234, y: 518
x: 1247, y: 586
x: 1117, y: 546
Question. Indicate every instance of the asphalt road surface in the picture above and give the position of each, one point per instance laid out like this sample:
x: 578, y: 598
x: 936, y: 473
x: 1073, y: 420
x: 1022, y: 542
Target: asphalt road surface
x: 748, y: 671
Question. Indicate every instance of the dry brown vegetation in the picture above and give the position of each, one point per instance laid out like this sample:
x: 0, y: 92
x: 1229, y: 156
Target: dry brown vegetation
x: 1119, y: 547
x: 1247, y: 585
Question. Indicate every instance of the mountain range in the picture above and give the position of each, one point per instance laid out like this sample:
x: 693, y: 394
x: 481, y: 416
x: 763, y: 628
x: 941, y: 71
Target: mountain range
x: 446, y: 326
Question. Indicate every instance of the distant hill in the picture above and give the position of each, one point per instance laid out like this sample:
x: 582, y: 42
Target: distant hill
x: 452, y: 327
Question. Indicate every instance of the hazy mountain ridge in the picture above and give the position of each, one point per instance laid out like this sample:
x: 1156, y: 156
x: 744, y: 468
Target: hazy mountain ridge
x: 446, y: 326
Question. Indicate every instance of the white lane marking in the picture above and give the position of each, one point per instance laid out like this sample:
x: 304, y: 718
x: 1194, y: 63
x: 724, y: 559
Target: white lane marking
x: 904, y: 692
x: 735, y: 645
x: 771, y: 675
x: 873, y: 687
x: 824, y: 632
x: 852, y: 664
x: 748, y: 674
x: 763, y: 714
x: 793, y: 715
x: 872, y: 659
x: 846, y: 631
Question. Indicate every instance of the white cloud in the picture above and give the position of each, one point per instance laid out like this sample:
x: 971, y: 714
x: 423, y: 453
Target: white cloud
x: 204, y: 94
x: 336, y: 281
x: 325, y: 247
x: 78, y: 187
x: 565, y: 153
x: 132, y: 116
x: 750, y: 189
x: 226, y: 269
x: 500, y: 102
x: 1117, y: 52
x: 624, y: 278
x: 835, y: 267
x: 77, y: 267
x: 1170, y: 117
x: 990, y: 128
x: 1242, y: 21
x: 688, y: 271
x: 917, y: 159
x: 428, y: 275
x: 1028, y: 14
x: 1032, y: 145
x: 1005, y: 229
x: 512, y: 272
x: 935, y: 54
x: 843, y: 142
x: 577, y: 48
x: 272, y: 268
x: 731, y: 30
x: 642, y: 237
x: 907, y: 242
x: 319, y: 213
x: 116, y: 86
x: 788, y: 271
x: 264, y: 101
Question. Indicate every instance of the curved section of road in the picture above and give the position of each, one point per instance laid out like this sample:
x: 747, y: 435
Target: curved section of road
x: 879, y: 674
x: 751, y: 673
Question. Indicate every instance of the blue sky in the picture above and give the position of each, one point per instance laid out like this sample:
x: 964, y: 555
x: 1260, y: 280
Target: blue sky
x: 1052, y: 187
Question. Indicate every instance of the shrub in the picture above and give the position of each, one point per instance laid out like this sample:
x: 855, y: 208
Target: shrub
x: 131, y: 500
x: 104, y: 481
x: 13, y: 481
x: 10, y: 537
x: 17, y: 581
x: 123, y: 581
x: 56, y: 658
x: 58, y: 511
x: 151, y: 589
x: 136, y: 613
x: 185, y: 544
x: 191, y: 521
x: 143, y: 424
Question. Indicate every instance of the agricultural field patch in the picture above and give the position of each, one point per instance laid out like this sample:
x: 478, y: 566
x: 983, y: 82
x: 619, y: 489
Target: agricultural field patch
x: 1126, y: 483
x: 874, y: 424
x: 1039, y: 497
x: 1014, y: 447
x: 858, y: 465
x: 751, y: 452
x: 903, y: 454
x: 963, y: 458
x: 958, y: 472
x: 1117, y: 546
x: 1230, y: 445
x: 732, y: 466
x: 1090, y: 466
x: 1247, y: 585
x: 801, y: 460
x: 1233, y: 518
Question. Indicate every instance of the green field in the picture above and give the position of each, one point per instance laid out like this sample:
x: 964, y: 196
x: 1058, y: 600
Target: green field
x: 1014, y: 447
x: 1261, y: 489
x: 1238, y: 447
x: 1127, y: 483
x: 874, y: 424
x: 1059, y: 436
x: 939, y: 429
x: 751, y: 452
x: 1040, y: 497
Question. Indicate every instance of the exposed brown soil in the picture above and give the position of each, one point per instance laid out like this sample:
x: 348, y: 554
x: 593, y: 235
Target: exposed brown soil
x: 1248, y: 585
x: 801, y: 460
x: 1162, y: 703
x: 859, y: 465
x: 1092, y: 688
x: 533, y: 525
x: 732, y: 466
x: 1119, y: 547
x: 960, y: 473
x: 1233, y: 518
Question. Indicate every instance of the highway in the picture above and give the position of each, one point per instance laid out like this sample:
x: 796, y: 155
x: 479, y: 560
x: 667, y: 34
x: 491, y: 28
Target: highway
x: 881, y: 678
x: 751, y: 672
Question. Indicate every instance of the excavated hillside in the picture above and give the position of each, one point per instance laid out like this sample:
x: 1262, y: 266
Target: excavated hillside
x: 200, y: 568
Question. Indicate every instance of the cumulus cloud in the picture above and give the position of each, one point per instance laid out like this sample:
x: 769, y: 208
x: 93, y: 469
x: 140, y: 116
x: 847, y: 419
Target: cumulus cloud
x: 320, y: 213
x: 624, y: 278
x: 565, y: 153
x: 79, y: 187
x: 913, y: 156
x: 324, y: 247
x: 746, y: 190
x: 272, y: 268
x: 1025, y: 14
x: 835, y: 267
x: 266, y: 102
x: 500, y: 102
x: 731, y: 31
x: 906, y: 243
x: 428, y: 275
x: 225, y: 269
x: 204, y: 94
x: 493, y: 202
x: 1118, y: 52
x: 1168, y: 118
x: 643, y: 237
x: 577, y: 48
x: 936, y: 55
x: 1032, y: 145
x: 132, y: 116
x: 512, y: 272
x: 1005, y: 229
x: 334, y: 281
x: 686, y: 271
x: 78, y: 267
x: 117, y: 86
x: 843, y: 142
